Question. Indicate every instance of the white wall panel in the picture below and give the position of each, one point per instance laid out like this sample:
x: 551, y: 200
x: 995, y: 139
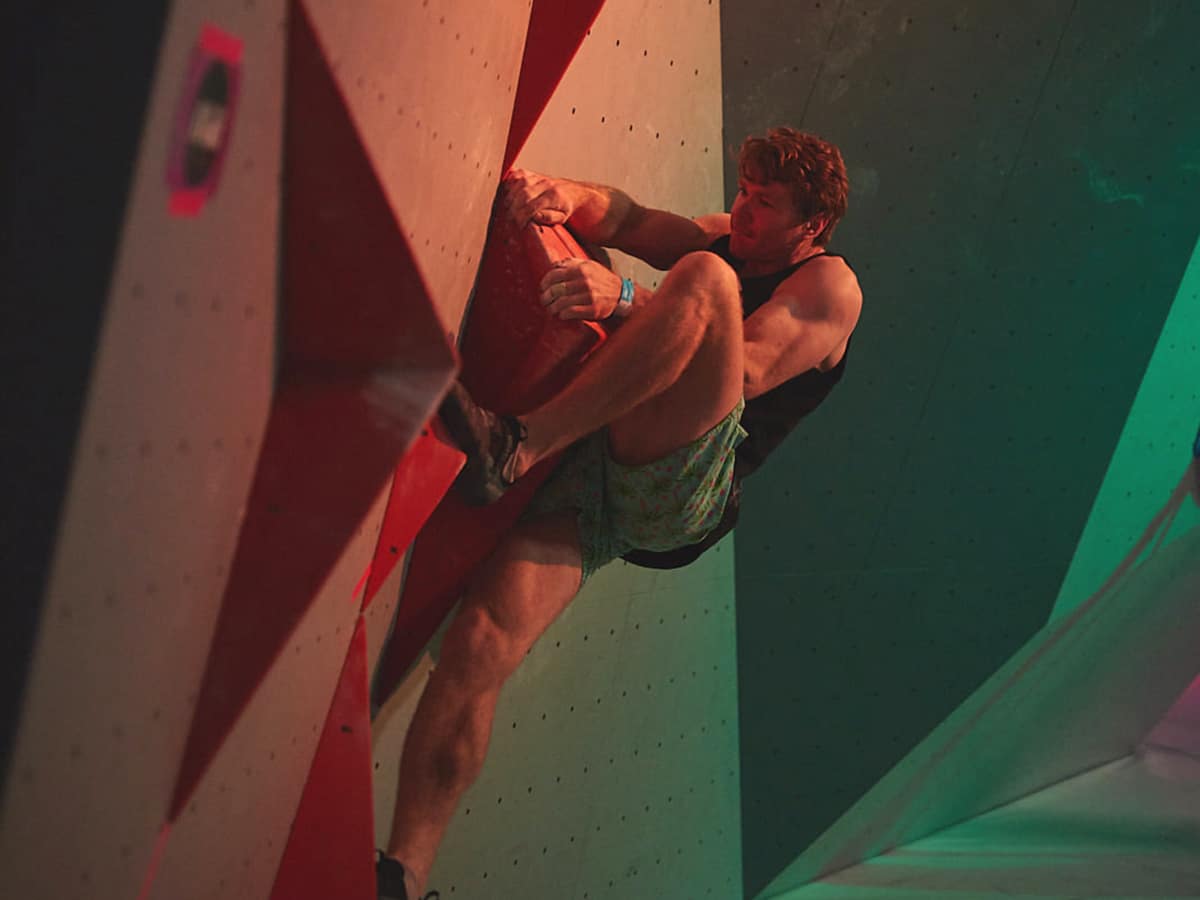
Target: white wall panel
x: 380, y: 615
x: 430, y: 87
x: 176, y: 409
x: 640, y: 109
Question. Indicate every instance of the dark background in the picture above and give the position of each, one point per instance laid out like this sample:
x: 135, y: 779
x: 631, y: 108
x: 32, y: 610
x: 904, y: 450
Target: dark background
x: 78, y: 79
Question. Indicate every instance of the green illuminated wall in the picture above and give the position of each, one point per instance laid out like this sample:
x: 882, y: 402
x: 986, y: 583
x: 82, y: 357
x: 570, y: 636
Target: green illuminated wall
x: 1026, y: 198
x: 1153, y: 452
x: 982, y: 804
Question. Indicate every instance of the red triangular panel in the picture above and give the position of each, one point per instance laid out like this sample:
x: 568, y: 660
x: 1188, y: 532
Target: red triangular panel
x: 331, y: 848
x: 556, y: 30
x: 421, y: 480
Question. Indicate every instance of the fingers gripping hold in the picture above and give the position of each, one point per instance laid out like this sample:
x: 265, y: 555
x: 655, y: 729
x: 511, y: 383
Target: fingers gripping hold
x: 580, y: 289
x: 559, y: 286
x: 537, y: 198
x: 573, y: 288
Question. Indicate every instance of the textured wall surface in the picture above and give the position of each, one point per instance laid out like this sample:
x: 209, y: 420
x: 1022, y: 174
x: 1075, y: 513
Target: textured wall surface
x: 640, y: 109
x: 613, y: 770
x: 1024, y: 202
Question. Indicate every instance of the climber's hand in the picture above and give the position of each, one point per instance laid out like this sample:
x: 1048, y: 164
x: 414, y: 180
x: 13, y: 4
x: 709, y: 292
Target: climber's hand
x: 580, y: 289
x: 539, y: 198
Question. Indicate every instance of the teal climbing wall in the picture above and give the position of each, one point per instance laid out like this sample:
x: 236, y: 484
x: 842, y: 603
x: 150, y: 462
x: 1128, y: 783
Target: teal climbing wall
x: 1025, y: 199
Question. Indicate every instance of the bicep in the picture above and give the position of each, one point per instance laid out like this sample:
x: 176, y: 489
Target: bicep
x: 781, y: 342
x: 796, y: 330
x: 662, y: 238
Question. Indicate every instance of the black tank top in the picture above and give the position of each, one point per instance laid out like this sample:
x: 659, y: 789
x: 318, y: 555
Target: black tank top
x: 768, y: 418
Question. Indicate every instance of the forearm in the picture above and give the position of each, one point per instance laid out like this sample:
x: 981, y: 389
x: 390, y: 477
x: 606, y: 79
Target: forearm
x: 601, y: 212
x: 766, y: 366
x: 608, y: 217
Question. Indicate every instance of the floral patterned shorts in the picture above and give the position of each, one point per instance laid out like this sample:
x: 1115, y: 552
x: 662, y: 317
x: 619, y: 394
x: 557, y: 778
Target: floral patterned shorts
x: 669, y: 503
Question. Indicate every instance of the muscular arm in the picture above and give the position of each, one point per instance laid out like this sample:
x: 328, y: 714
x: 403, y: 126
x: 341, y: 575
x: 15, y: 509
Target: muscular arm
x: 609, y: 217
x: 807, y: 318
x: 655, y: 236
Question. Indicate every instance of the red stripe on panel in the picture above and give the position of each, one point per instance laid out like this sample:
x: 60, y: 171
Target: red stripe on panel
x: 421, y: 480
x: 156, y: 858
x: 556, y: 30
x: 361, y: 583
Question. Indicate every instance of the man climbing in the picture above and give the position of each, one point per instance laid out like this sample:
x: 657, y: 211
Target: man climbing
x: 747, y: 333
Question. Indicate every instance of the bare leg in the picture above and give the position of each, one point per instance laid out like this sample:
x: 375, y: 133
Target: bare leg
x: 665, y: 378
x: 684, y: 346
x: 522, y: 588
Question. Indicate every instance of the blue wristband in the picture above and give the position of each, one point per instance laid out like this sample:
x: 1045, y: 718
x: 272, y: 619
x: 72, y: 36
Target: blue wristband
x: 625, y: 301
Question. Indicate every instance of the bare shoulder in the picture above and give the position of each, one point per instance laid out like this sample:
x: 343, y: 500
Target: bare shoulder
x: 825, y: 288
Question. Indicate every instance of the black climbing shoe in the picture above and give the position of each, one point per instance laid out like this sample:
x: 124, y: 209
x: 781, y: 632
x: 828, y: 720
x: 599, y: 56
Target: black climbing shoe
x: 389, y: 880
x: 489, y: 441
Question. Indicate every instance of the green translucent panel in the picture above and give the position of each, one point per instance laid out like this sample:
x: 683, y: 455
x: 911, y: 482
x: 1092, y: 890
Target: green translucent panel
x: 1152, y: 455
